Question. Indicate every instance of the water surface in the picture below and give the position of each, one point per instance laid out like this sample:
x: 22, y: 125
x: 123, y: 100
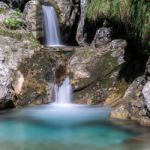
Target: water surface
x: 71, y: 127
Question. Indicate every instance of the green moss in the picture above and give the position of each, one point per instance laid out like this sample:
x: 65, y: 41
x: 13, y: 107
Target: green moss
x: 107, y: 65
x: 10, y: 34
x: 19, y: 36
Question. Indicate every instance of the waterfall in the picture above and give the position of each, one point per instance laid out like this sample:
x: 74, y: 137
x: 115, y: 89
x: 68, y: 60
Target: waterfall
x: 51, y: 27
x: 63, y: 93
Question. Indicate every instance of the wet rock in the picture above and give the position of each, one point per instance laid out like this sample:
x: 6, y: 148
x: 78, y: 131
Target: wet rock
x: 102, y: 37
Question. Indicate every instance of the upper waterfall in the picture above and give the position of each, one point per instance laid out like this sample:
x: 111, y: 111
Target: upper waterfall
x: 51, y: 28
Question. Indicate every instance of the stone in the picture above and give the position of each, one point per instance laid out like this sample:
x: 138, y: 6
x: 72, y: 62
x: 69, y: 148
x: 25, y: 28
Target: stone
x: 115, y: 98
x: 18, y: 82
x: 133, y: 98
x: 37, y: 74
x: 12, y: 52
x: 120, y: 113
x: 94, y: 73
x: 144, y: 121
x: 102, y: 37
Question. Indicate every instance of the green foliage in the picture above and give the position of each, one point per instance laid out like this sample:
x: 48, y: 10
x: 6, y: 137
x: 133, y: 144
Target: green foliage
x: 14, y: 21
x: 98, y: 8
x: 17, y: 13
x: 135, y: 14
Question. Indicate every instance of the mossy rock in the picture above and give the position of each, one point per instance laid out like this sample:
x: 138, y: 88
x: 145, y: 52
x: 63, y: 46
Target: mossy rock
x: 38, y: 78
x: 94, y: 75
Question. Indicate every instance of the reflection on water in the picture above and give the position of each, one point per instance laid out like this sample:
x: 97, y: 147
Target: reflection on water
x: 69, y: 127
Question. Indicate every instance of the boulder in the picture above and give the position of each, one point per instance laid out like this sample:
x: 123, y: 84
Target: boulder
x: 94, y: 72
x: 136, y: 100
x: 12, y: 52
x: 120, y: 113
x: 35, y: 79
x: 102, y: 37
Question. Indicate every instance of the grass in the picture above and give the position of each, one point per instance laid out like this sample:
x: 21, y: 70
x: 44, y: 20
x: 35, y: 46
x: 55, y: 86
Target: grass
x: 134, y: 14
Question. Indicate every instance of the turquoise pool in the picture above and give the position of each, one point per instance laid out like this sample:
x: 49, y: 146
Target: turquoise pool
x: 63, y: 128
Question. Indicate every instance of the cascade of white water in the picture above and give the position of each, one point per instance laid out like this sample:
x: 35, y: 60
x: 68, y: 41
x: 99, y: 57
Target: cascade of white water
x: 51, y: 28
x: 63, y: 93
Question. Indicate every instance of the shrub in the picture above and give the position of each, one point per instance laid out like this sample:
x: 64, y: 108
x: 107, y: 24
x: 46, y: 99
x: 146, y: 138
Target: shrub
x: 14, y: 21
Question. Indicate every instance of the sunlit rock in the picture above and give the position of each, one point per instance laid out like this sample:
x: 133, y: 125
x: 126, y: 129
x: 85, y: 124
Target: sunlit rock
x: 94, y: 72
x: 18, y: 82
x: 120, y: 113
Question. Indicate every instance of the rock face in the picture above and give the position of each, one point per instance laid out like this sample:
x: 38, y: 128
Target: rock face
x: 80, y: 37
x: 12, y: 52
x: 136, y: 100
x: 33, y: 17
x: 35, y: 79
x: 68, y: 17
x: 94, y: 72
